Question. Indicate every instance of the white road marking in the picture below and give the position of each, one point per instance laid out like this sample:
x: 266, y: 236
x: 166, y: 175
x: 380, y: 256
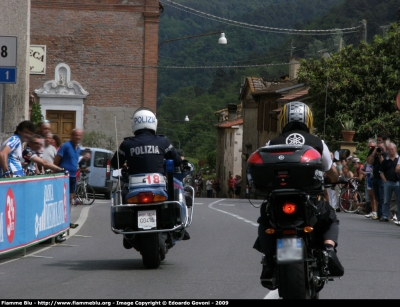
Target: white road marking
x: 229, y: 205
x: 38, y: 256
x: 231, y: 214
x: 65, y: 245
x: 272, y: 295
x: 81, y: 220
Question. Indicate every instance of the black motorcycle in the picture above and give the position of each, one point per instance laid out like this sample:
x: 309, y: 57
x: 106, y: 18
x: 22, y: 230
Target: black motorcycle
x: 291, y: 179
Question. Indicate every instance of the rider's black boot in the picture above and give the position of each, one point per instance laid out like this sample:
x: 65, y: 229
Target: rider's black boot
x: 334, y: 265
x: 267, y: 275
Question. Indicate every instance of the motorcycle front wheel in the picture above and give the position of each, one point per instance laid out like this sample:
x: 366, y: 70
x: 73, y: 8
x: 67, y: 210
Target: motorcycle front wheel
x: 150, y: 250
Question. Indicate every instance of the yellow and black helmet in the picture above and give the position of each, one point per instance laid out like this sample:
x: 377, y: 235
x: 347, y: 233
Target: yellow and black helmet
x: 295, y: 112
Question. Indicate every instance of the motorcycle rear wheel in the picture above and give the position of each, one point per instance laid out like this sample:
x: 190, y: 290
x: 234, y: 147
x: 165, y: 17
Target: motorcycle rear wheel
x: 292, y: 283
x: 150, y: 250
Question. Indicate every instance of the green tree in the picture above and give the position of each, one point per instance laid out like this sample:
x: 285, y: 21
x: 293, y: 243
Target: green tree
x: 94, y: 139
x: 36, y: 113
x: 362, y: 82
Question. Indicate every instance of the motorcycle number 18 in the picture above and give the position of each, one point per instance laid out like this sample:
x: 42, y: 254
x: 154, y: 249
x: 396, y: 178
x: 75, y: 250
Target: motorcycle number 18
x: 150, y: 179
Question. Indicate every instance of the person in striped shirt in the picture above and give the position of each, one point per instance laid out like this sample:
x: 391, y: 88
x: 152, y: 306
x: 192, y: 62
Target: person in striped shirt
x: 11, y: 150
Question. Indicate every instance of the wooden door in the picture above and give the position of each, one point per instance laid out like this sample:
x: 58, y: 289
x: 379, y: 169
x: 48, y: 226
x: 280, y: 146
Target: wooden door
x: 62, y: 123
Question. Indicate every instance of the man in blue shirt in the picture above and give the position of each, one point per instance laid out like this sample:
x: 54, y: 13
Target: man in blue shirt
x: 67, y: 157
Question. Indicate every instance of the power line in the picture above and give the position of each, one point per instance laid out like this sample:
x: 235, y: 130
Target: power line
x: 258, y: 27
x: 183, y: 67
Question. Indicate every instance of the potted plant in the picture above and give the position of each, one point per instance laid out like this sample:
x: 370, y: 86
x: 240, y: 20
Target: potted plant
x: 348, y: 127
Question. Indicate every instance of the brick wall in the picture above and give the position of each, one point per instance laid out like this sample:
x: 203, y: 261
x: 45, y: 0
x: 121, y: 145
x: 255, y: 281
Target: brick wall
x: 105, y: 43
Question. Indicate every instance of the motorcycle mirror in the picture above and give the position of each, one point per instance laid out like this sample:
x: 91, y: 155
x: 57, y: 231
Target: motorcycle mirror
x: 341, y: 154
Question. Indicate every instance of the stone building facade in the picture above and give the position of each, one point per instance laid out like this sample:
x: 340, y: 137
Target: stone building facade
x: 229, y: 145
x: 109, y: 48
x: 14, y: 21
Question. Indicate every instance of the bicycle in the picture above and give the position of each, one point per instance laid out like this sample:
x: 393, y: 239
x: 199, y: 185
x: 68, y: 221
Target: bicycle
x: 84, y: 192
x: 351, y: 200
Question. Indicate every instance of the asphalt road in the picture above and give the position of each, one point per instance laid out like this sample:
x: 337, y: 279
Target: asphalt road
x: 218, y: 262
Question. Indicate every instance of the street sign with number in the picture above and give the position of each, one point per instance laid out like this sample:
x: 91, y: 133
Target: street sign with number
x: 8, y: 74
x: 8, y: 51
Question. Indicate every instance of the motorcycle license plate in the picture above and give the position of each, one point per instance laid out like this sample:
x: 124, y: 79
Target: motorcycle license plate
x: 289, y: 249
x: 147, y: 219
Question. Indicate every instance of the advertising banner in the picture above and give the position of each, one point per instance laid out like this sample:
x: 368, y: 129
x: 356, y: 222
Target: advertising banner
x: 32, y: 209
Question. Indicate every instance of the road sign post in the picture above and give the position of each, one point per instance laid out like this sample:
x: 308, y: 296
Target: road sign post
x: 8, y: 59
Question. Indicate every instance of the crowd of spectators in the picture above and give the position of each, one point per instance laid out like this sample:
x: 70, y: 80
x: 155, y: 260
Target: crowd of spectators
x: 378, y: 176
x: 34, y: 150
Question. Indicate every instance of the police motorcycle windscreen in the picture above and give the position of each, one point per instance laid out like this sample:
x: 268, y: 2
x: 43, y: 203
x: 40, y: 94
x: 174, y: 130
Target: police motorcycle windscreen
x: 285, y: 167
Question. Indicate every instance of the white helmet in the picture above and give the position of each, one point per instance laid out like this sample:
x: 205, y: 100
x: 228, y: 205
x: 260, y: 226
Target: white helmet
x: 144, y: 118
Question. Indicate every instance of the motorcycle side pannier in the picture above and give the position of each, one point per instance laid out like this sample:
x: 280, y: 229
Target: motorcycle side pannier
x: 285, y: 167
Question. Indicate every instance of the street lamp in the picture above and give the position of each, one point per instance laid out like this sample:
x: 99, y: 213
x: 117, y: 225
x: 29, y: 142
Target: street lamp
x: 222, y: 40
x: 186, y: 118
x: 326, y: 56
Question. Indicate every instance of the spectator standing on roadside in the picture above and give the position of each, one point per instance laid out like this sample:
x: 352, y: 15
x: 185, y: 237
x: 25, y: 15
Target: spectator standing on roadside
x: 11, y: 150
x: 231, y: 187
x: 67, y: 157
x: 201, y: 185
x: 43, y: 128
x: 375, y: 156
x: 209, y: 188
x: 83, y: 165
x: 331, y: 191
x: 31, y: 156
x: 390, y: 180
x: 238, y: 186
x: 382, y: 138
x: 49, y: 152
x: 366, y: 172
x: 346, y: 173
x: 216, y: 187
x: 56, y: 141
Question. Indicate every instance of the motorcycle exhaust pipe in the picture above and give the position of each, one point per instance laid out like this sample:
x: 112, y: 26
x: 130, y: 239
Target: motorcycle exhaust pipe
x: 129, y: 237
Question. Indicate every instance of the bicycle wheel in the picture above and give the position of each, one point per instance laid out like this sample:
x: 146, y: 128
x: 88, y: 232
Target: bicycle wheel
x: 358, y: 201
x: 350, y: 200
x: 345, y: 202
x: 87, y: 196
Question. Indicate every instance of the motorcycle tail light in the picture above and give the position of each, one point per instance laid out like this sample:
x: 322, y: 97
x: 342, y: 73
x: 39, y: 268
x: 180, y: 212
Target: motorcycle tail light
x: 146, y: 198
x: 310, y: 155
x: 289, y: 208
x: 289, y: 232
x: 255, y: 158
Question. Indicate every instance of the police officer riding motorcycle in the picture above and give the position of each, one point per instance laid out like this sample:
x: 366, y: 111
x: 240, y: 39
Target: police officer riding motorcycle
x: 144, y: 157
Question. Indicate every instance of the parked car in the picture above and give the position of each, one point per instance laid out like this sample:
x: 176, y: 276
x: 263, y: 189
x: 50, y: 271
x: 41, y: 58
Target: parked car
x: 100, y: 171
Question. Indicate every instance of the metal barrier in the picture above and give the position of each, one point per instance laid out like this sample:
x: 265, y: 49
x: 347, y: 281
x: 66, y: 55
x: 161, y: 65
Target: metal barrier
x: 32, y: 210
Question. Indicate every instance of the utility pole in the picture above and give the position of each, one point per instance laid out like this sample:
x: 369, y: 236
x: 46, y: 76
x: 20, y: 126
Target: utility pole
x: 291, y: 48
x: 398, y: 16
x: 364, y: 30
x: 340, y: 43
x: 384, y: 30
